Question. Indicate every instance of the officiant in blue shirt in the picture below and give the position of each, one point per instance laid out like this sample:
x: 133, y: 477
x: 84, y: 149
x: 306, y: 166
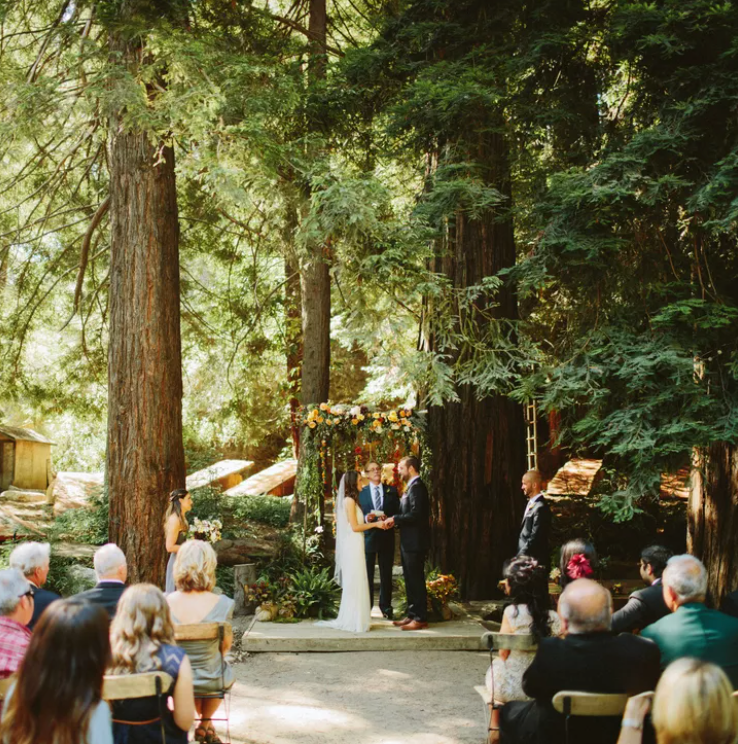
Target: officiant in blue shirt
x: 379, y: 545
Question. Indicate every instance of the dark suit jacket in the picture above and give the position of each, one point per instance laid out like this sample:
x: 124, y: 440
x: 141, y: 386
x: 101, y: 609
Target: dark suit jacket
x: 586, y: 662
x: 414, y: 518
x: 106, y: 594
x: 533, y: 540
x: 697, y: 631
x: 376, y: 541
x: 644, y: 607
x: 41, y: 600
x: 730, y: 604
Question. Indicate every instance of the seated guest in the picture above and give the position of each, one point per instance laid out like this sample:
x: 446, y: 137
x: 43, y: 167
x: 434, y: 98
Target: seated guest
x: 142, y: 639
x: 16, y: 610
x: 528, y: 612
x: 578, y: 561
x: 645, y: 606
x: 58, y: 694
x: 32, y: 560
x: 692, y: 629
x: 195, y: 602
x: 589, y: 659
x: 693, y: 704
x: 111, y: 570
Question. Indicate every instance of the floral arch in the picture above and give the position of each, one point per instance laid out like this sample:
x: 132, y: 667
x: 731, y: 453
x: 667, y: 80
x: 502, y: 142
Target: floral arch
x: 337, y: 438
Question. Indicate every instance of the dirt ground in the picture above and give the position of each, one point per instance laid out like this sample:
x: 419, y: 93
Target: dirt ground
x: 403, y: 697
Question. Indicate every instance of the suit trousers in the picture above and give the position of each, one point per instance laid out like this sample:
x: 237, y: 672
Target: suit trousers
x: 413, y: 568
x: 385, y: 558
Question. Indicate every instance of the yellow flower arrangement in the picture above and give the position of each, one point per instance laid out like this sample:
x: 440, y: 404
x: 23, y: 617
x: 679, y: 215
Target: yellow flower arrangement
x: 392, y: 416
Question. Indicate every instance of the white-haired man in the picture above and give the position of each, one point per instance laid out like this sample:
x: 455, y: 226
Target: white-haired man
x: 111, y: 570
x: 692, y: 629
x: 32, y: 560
x: 16, y: 611
x: 589, y: 659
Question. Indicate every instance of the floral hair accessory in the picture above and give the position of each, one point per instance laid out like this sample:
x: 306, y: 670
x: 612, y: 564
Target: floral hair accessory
x: 579, y: 567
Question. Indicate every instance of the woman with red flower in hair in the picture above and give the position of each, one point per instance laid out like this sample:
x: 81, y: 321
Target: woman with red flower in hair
x: 578, y: 561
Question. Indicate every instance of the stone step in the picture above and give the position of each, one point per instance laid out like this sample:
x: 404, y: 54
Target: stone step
x: 307, y: 637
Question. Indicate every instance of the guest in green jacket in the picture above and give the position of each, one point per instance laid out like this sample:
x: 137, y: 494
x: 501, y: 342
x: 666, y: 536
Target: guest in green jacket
x: 692, y: 629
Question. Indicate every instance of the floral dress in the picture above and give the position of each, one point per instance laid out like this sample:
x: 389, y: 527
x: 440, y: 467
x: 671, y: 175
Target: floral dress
x: 505, y: 676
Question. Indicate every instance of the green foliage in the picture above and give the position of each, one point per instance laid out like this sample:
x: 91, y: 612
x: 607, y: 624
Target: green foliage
x: 265, y: 509
x: 314, y: 592
x: 86, y: 526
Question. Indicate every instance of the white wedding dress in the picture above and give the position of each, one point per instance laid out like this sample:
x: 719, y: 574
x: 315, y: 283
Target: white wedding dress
x: 355, y: 612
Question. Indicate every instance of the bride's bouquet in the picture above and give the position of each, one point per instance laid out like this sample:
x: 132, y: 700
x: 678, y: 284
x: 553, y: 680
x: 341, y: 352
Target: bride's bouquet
x: 206, y: 529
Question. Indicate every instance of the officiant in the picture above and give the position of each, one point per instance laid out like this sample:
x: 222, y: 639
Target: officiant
x: 378, y: 501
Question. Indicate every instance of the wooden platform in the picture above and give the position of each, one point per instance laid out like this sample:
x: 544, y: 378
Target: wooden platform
x: 226, y: 474
x: 307, y: 637
x: 277, y: 480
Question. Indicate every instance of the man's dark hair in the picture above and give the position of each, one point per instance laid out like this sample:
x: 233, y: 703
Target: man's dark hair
x: 412, y: 462
x: 657, y: 557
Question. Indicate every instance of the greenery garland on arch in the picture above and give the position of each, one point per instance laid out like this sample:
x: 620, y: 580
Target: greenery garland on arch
x: 339, y: 437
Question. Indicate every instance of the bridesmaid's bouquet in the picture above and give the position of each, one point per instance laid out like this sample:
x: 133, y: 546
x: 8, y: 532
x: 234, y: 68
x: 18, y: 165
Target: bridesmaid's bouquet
x: 206, y: 529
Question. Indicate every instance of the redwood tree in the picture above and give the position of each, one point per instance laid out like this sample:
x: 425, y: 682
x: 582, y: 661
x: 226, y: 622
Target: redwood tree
x: 145, y: 456
x: 476, y: 442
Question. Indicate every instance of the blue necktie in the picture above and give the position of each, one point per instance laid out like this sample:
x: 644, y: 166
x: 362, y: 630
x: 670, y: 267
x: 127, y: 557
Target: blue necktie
x: 377, y: 502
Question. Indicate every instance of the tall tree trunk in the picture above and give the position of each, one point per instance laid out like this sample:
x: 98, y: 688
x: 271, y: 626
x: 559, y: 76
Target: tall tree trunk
x: 712, y: 519
x: 477, y: 446
x: 315, y: 280
x: 145, y: 455
x: 293, y: 345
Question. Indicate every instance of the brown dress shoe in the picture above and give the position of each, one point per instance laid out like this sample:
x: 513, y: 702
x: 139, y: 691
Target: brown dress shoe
x: 400, y: 623
x: 415, y: 625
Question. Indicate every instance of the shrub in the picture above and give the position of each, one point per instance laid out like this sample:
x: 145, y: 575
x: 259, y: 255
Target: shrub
x: 86, y: 525
x: 314, y: 592
x: 270, y: 510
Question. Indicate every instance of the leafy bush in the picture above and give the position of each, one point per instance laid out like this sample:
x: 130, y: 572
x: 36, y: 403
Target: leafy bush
x: 225, y: 579
x: 314, y: 592
x: 270, y: 510
x: 86, y: 525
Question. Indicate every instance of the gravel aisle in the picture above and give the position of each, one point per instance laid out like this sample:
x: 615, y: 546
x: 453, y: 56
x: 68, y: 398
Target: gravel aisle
x: 359, y: 698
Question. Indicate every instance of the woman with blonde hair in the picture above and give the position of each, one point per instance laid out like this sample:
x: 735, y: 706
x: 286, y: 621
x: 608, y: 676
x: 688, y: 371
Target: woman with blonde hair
x: 142, y: 638
x: 57, y: 698
x: 196, y: 602
x: 693, y: 704
x: 175, y: 529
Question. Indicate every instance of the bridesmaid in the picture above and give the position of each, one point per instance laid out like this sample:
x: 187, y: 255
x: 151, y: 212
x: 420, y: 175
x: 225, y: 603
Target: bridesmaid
x: 175, y: 529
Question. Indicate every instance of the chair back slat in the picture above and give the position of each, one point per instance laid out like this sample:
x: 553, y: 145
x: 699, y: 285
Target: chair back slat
x: 132, y: 686
x: 510, y: 641
x: 198, y: 632
x: 576, y: 703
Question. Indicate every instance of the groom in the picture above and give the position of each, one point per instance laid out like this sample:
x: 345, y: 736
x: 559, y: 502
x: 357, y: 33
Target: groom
x: 413, y: 521
x: 379, y: 545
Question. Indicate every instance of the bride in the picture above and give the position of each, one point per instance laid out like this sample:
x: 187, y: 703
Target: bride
x: 355, y: 612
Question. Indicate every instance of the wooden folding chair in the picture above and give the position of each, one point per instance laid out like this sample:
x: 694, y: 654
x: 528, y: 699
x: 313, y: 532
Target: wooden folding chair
x: 496, y: 642
x: 573, y: 703
x: 136, y: 686
x: 209, y: 632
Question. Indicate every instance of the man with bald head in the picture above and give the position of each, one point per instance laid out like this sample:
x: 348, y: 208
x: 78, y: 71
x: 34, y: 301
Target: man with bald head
x: 590, y: 658
x: 533, y: 540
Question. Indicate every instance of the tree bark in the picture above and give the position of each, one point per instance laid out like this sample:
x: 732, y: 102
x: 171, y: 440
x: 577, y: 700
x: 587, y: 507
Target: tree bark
x: 293, y: 348
x: 315, y: 281
x: 145, y: 455
x: 477, y: 446
x: 712, y: 518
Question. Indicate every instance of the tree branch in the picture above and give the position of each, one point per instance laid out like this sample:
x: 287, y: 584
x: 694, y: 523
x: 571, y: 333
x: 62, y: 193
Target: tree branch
x: 85, y: 253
